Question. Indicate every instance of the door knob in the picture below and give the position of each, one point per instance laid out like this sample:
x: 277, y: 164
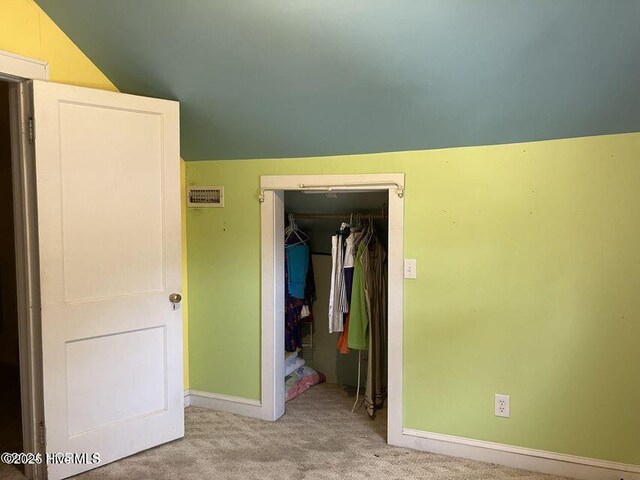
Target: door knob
x: 175, y: 299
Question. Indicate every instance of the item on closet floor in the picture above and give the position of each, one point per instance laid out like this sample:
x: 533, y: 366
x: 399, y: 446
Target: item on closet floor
x: 302, y: 380
x: 292, y: 363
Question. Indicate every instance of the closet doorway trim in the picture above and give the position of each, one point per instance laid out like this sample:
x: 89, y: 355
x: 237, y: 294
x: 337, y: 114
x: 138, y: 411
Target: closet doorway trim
x: 272, y: 188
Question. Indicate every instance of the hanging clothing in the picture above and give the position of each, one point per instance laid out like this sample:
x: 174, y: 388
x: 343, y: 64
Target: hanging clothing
x: 350, y: 251
x: 347, y: 265
x: 343, y: 340
x: 292, y: 324
x: 367, y: 324
x: 310, y: 289
x: 348, y: 284
x: 376, y: 386
x: 358, y: 319
x: 300, y: 292
x: 332, y: 289
x: 297, y: 264
x: 338, y: 299
x: 349, y: 261
x: 337, y: 293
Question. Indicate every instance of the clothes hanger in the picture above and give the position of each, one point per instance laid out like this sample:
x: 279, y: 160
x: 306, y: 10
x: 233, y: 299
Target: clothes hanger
x: 290, y: 227
x: 359, y: 230
x: 302, y: 238
x: 352, y: 227
x: 290, y: 224
x: 370, y: 232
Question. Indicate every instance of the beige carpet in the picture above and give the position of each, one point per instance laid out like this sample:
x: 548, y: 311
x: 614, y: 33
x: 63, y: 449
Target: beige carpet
x: 318, y: 438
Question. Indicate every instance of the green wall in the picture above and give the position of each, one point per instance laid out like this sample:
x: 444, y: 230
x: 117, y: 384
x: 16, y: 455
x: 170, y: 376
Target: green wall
x: 529, y: 272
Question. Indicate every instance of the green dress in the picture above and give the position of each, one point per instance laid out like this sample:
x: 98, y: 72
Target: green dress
x: 358, y: 316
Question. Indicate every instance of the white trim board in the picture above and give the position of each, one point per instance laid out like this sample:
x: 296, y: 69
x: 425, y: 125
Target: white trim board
x: 23, y: 67
x: 224, y: 403
x: 518, y: 457
x: 17, y: 70
x: 272, y: 189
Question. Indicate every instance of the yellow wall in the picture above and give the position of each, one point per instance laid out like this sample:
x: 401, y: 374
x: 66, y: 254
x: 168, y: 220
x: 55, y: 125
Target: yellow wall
x: 26, y: 30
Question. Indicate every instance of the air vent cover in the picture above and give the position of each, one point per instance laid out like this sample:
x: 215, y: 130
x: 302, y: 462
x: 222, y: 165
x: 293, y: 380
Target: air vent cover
x: 205, y: 196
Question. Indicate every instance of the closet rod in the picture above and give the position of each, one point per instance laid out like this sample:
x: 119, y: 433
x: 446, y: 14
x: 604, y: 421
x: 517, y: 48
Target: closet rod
x: 338, y: 216
x: 338, y: 187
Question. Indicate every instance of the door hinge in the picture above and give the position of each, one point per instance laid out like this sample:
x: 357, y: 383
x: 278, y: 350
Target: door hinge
x: 31, y: 133
x: 43, y: 434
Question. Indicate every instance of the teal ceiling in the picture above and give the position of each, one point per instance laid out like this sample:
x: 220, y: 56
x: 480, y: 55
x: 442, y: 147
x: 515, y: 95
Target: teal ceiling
x: 289, y: 78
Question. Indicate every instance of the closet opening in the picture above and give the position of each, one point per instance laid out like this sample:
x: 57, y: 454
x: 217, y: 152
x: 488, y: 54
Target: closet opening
x: 273, y: 189
x: 335, y: 305
x: 10, y: 395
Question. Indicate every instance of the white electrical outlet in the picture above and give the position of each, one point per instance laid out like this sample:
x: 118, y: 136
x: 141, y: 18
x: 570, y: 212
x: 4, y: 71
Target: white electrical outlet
x: 410, y: 268
x: 502, y: 405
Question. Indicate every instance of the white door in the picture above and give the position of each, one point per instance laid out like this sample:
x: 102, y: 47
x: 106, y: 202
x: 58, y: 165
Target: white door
x: 108, y: 188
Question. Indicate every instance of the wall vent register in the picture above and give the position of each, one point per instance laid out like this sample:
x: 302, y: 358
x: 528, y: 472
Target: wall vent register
x: 205, y: 196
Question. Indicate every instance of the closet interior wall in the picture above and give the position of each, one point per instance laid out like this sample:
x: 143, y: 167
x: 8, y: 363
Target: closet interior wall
x: 319, y: 215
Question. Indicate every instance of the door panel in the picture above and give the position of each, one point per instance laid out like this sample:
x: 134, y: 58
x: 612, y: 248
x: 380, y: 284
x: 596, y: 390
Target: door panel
x: 108, y: 180
x: 121, y: 185
x: 134, y: 386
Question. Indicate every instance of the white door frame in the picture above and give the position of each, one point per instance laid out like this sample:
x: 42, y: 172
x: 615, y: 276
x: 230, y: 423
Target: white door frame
x: 272, y: 301
x: 18, y: 70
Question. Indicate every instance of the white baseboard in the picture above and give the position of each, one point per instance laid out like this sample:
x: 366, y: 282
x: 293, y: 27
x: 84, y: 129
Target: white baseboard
x: 187, y: 400
x: 518, y: 457
x: 225, y: 403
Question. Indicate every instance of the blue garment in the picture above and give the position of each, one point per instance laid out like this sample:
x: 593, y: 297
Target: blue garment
x: 297, y: 266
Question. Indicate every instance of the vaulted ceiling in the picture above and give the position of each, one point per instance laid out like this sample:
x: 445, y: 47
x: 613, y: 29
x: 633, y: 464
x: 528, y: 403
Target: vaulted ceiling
x: 290, y: 78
